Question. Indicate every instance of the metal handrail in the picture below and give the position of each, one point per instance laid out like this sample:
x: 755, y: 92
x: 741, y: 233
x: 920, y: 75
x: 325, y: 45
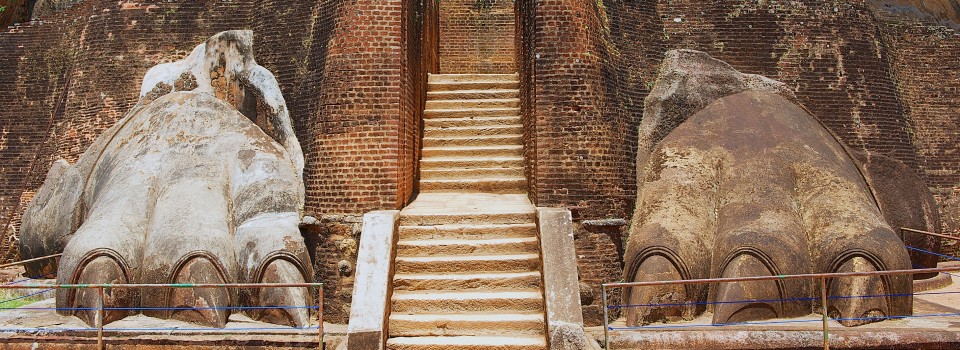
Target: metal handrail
x: 21, y: 262
x: 822, y: 276
x: 100, y: 288
x: 955, y: 238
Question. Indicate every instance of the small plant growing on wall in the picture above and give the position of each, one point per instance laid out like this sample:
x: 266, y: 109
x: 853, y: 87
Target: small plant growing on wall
x: 484, y: 5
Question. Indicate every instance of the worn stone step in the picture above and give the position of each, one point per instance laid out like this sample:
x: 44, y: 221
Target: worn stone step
x: 432, y: 247
x: 468, y: 231
x: 461, y: 122
x: 434, y: 301
x: 474, y: 151
x: 436, y: 163
x: 460, y: 78
x: 469, y: 324
x: 474, y: 140
x: 469, y: 173
x: 439, y: 208
x: 503, y: 342
x: 442, y: 218
x: 484, y: 185
x: 468, y: 263
x: 472, y: 94
x: 467, y: 281
x: 471, y: 112
x: 473, y: 85
x: 510, y: 129
x: 473, y: 104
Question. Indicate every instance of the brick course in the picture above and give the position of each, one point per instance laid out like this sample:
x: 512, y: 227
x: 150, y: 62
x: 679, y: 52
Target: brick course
x: 477, y: 36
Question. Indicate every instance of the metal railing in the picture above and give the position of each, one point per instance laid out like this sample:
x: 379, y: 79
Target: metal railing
x: 823, y: 277
x: 100, y: 309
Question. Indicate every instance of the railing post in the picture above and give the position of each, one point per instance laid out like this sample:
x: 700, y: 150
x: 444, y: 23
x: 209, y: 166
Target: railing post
x: 320, y: 315
x: 100, y: 317
x: 606, y: 326
x: 823, y: 303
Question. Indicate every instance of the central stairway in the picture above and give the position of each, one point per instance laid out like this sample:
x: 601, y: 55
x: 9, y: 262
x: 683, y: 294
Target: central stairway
x: 468, y: 268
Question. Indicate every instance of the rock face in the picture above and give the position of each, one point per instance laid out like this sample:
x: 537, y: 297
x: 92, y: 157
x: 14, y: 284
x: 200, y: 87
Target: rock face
x: 198, y: 183
x: 741, y: 180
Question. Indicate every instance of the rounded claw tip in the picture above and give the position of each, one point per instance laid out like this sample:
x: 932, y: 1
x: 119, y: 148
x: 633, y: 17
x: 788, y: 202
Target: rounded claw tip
x: 203, y: 306
x: 292, y: 304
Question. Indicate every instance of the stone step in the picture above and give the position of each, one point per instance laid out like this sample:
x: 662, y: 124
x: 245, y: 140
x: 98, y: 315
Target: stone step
x: 472, y: 94
x: 435, y: 301
x: 473, y: 85
x: 468, y: 281
x: 432, y: 247
x: 470, y: 324
x: 474, y: 151
x: 471, y: 112
x: 443, y: 218
x: 471, y: 122
x: 510, y: 129
x: 483, y: 185
x: 460, y: 78
x: 473, y: 104
x: 468, y: 263
x: 475, y: 140
x: 468, y: 231
x: 503, y: 342
x: 436, y: 163
x: 469, y: 173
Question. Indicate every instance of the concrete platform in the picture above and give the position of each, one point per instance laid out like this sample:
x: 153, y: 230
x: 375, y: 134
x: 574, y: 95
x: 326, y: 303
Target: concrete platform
x: 935, y: 332
x: 29, y: 328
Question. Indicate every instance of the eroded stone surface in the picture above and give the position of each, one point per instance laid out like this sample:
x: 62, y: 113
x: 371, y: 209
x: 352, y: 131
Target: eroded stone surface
x: 190, y: 187
x: 739, y: 181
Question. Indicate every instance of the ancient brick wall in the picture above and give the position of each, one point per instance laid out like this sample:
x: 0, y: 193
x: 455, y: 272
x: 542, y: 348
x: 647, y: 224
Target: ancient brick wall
x: 830, y: 53
x: 586, y: 74
x: 477, y: 36
x: 927, y: 72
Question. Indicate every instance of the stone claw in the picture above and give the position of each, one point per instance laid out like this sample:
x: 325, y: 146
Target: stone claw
x: 292, y: 303
x: 204, y: 306
x: 86, y: 301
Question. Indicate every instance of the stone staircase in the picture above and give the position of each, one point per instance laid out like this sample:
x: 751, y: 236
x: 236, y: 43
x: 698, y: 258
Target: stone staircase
x: 468, y: 268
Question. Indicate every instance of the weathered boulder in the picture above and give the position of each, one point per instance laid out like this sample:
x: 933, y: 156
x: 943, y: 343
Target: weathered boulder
x: 740, y: 180
x: 184, y: 189
x: 689, y: 80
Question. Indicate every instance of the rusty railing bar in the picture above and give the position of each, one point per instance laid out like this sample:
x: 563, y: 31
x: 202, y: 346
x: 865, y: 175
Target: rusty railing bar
x: 100, y: 317
x: 931, y: 233
x: 157, y: 285
x: 21, y: 262
x: 780, y: 277
x: 823, y: 301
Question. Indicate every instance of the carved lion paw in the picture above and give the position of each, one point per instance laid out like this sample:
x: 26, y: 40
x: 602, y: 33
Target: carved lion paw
x: 189, y: 187
x: 751, y: 184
